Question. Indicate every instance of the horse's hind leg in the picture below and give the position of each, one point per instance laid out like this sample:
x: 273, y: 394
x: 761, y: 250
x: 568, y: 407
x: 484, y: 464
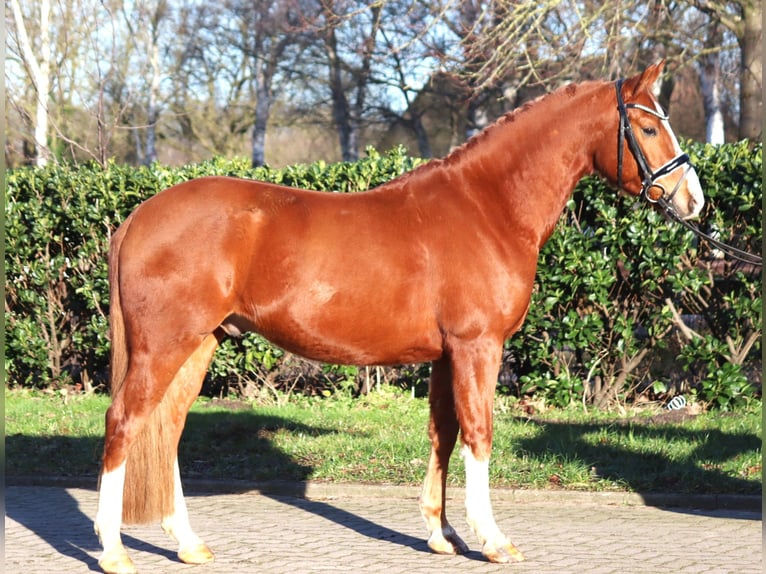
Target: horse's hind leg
x: 191, y: 549
x: 114, y: 558
x: 143, y: 426
x: 442, y: 430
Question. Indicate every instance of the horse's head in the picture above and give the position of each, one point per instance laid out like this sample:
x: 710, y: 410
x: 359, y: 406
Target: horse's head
x: 647, y: 159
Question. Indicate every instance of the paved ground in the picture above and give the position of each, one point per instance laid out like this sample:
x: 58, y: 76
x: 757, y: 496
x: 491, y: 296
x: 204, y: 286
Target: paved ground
x: 49, y: 529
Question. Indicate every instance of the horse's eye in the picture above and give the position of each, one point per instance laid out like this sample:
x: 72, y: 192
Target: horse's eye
x: 649, y: 131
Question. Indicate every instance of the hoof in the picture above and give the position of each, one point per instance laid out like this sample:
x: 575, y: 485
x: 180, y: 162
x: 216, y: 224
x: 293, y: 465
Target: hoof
x: 117, y: 562
x: 199, y: 554
x: 502, y: 554
x: 447, y: 542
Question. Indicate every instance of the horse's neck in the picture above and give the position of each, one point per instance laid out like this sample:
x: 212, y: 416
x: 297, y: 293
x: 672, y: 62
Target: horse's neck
x: 531, y: 160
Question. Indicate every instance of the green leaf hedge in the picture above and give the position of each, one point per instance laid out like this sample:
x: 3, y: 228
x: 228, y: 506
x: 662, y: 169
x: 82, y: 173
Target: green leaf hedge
x: 626, y: 304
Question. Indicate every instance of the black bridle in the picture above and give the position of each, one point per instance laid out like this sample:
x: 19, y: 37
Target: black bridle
x: 649, y: 178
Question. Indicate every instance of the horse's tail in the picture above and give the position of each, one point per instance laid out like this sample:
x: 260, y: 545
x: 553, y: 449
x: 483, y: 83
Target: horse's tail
x: 119, y: 350
x: 149, y: 469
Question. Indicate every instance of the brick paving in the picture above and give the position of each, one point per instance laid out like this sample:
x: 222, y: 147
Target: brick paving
x: 49, y: 529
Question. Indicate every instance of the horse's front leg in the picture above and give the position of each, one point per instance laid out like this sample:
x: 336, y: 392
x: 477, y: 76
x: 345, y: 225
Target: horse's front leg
x: 475, y: 365
x: 442, y: 430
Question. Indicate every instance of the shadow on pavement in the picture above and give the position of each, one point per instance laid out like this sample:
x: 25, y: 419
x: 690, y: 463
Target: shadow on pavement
x: 651, y: 474
x: 354, y: 522
x: 59, y: 521
x: 253, y: 440
x: 242, y: 437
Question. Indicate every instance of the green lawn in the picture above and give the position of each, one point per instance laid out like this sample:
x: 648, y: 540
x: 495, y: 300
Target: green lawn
x: 382, y: 438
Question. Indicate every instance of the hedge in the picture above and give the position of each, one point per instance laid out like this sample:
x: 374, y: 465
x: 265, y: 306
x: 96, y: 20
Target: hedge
x: 626, y: 305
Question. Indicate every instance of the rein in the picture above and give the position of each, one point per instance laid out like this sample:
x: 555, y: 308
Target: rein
x: 730, y: 250
x: 649, y: 178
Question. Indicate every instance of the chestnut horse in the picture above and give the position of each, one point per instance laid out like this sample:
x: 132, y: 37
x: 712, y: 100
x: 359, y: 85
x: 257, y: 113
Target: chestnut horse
x: 437, y: 265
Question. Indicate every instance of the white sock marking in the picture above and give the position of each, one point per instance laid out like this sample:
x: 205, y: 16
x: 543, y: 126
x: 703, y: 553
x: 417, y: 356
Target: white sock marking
x: 477, y: 502
x: 177, y: 525
x: 109, y: 514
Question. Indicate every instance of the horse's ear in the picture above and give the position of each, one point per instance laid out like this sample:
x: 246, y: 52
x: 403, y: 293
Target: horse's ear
x: 648, y: 77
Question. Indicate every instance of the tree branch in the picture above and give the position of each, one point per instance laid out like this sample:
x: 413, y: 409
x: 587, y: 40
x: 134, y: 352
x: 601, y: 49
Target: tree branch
x: 687, y: 331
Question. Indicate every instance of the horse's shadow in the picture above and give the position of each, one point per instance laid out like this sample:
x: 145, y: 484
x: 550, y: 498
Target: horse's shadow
x: 57, y: 518
x: 611, y: 457
x: 256, y: 432
x: 355, y: 522
x: 61, y: 523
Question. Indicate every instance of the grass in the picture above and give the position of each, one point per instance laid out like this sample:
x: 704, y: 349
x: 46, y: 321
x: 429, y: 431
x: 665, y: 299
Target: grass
x: 382, y: 438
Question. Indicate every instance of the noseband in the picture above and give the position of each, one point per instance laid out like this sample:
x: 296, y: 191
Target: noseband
x: 649, y: 177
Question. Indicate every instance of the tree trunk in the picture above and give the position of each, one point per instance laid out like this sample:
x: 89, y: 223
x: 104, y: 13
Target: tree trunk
x: 139, y: 147
x: 710, y: 84
x: 348, y: 119
x: 362, y: 79
x: 40, y: 72
x: 424, y: 146
x: 153, y: 111
x: 43, y: 85
x: 262, y: 111
x: 341, y: 112
x: 710, y: 73
x: 751, y: 79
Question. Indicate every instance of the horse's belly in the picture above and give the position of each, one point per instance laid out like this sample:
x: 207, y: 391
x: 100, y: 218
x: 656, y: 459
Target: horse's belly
x: 363, y: 341
x: 333, y: 321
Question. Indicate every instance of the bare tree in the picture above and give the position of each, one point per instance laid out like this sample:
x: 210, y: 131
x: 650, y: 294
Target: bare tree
x: 104, y: 78
x: 263, y: 33
x: 90, y: 82
x: 145, y: 26
x: 513, y: 50
x: 709, y: 66
x: 744, y: 19
x: 347, y: 34
x: 38, y: 67
x: 402, y: 68
x: 471, y: 23
x: 210, y: 100
x: 106, y: 85
x: 518, y: 43
x: 413, y: 115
